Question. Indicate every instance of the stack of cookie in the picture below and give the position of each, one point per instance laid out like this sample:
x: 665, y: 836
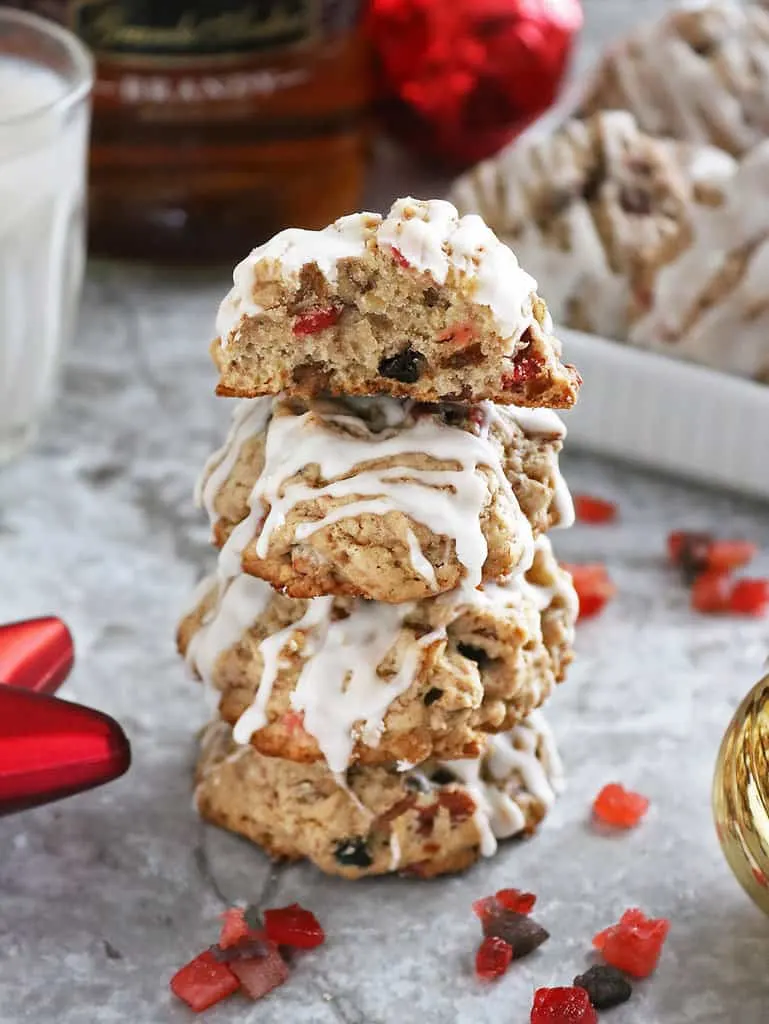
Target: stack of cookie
x: 387, y: 614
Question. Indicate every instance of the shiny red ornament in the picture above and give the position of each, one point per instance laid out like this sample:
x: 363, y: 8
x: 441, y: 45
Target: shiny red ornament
x: 459, y: 80
x: 49, y: 748
x: 36, y: 654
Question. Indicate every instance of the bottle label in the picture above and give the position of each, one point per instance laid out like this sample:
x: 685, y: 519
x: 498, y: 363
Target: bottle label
x: 205, y: 28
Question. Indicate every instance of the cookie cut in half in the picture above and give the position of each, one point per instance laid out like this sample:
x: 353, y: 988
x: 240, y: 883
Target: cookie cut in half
x: 419, y: 304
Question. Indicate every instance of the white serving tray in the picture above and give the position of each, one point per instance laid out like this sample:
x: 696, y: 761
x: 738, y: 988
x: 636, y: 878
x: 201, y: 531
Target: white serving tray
x: 685, y: 419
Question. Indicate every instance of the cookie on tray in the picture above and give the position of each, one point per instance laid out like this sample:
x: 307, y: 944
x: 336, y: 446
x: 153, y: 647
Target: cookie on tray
x: 437, y: 818
x: 350, y: 680
x: 420, y: 304
x: 595, y: 209
x: 383, y: 499
x: 699, y: 73
x: 642, y: 239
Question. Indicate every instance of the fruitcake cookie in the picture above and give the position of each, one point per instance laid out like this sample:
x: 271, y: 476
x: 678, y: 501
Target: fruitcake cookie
x: 700, y: 73
x: 380, y: 498
x: 427, y: 821
x: 420, y: 304
x: 595, y: 209
x: 350, y: 680
x: 711, y: 303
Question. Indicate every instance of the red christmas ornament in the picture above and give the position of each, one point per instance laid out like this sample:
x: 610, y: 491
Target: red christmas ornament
x: 49, y: 748
x: 459, y: 79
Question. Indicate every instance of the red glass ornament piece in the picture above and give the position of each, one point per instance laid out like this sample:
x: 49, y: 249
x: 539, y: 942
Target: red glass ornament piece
x: 459, y: 80
x: 36, y: 654
x: 50, y: 748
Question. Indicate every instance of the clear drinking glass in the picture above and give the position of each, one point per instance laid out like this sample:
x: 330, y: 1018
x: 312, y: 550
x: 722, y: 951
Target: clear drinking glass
x: 45, y: 86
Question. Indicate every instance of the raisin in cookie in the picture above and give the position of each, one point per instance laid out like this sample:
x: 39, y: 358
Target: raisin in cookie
x: 699, y: 73
x: 349, y: 680
x: 383, y: 499
x: 435, y: 819
x: 420, y: 304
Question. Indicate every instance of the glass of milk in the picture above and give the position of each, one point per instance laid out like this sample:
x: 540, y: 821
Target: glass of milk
x: 45, y: 85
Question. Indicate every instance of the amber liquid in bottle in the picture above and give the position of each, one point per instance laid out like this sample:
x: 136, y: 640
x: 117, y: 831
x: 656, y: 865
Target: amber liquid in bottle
x: 218, y: 123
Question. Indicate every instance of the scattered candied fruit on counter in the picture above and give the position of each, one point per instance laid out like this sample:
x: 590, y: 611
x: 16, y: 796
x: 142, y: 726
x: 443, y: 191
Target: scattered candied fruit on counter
x: 562, y: 1006
x: 593, y: 586
x: 619, y: 807
x: 293, y: 926
x: 605, y: 985
x: 634, y: 944
x: 493, y: 958
x: 592, y: 510
x: 247, y: 957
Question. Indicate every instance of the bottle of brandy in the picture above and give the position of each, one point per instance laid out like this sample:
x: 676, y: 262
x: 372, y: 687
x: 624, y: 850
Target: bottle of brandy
x: 217, y: 123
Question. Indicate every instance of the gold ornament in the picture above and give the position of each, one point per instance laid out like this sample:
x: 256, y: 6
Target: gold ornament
x: 741, y: 794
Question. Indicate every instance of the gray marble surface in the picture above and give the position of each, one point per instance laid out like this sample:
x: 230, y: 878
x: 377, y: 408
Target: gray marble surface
x: 103, y: 896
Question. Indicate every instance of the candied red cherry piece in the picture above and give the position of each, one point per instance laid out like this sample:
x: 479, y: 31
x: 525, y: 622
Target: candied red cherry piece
x: 593, y: 586
x: 293, y: 926
x: 619, y: 807
x: 633, y: 944
x: 399, y: 258
x: 484, y: 906
x: 493, y: 958
x: 723, y: 555
x: 711, y: 592
x: 562, y: 1006
x: 516, y: 900
x: 749, y: 597
x: 235, y: 929
x: 315, y: 320
x: 260, y: 975
x: 293, y: 721
x: 524, y: 368
x: 505, y: 899
x: 203, y: 982
x: 594, y: 510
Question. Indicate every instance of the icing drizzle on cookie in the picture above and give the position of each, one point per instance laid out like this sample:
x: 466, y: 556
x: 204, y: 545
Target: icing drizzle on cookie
x: 352, y: 668
x: 520, y: 764
x: 430, y: 235
x: 335, y: 437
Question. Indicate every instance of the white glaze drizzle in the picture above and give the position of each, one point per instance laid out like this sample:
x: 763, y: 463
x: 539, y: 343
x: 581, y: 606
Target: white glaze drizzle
x: 527, y: 753
x: 295, y: 441
x: 449, y: 502
x: 238, y: 605
x: 395, y: 851
x: 732, y: 333
x: 291, y: 250
x: 431, y: 236
x: 271, y: 650
x: 419, y: 563
x: 340, y: 691
x: 674, y: 90
x: 249, y: 417
x: 505, y: 188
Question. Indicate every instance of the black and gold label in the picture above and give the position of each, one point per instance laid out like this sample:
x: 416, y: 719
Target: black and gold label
x: 177, y: 28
